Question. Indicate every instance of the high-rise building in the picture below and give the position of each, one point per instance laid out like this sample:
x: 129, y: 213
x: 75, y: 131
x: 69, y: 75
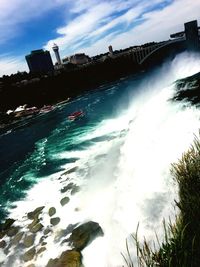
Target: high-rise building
x: 56, y: 51
x: 39, y: 61
x: 192, y: 35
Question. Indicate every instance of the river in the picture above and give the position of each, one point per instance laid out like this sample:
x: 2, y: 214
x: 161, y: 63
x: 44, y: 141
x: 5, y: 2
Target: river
x: 120, y: 154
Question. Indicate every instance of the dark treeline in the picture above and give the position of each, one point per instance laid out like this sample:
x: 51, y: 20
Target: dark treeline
x: 63, y: 84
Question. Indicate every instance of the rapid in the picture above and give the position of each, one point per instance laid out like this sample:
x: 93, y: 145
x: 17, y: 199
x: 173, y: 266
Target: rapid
x: 119, y: 157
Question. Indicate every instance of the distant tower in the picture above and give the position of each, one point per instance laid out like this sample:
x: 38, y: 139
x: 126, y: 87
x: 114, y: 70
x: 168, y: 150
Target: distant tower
x: 110, y: 50
x: 192, y: 35
x: 56, y: 51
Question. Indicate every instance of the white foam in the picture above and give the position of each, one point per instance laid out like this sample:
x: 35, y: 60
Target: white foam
x: 131, y: 181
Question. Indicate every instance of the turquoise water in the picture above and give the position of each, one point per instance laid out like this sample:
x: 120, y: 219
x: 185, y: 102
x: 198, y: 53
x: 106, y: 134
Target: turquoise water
x: 28, y: 153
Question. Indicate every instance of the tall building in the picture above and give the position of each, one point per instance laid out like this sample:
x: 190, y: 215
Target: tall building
x: 56, y: 51
x: 110, y: 49
x: 39, y: 61
x: 192, y: 35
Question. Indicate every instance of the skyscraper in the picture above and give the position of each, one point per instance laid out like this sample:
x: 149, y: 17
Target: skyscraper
x: 39, y: 61
x: 56, y: 51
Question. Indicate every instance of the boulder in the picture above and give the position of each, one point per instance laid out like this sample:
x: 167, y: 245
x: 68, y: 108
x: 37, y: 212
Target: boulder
x: 69, y: 258
x: 70, y: 171
x: 34, y: 222
x: 42, y: 249
x: 17, y: 238
x: 36, y: 228
x: 31, y: 265
x: 46, y: 231
x: 29, y: 255
x: 29, y: 240
x: 84, y: 234
x: 7, y: 224
x: 67, y: 188
x: 64, y: 201
x: 55, y: 221
x: 3, y: 244
x: 34, y: 214
x: 52, y: 211
x: 12, y: 231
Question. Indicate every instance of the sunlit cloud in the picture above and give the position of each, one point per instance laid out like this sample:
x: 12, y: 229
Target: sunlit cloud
x: 91, y: 25
x: 9, y: 65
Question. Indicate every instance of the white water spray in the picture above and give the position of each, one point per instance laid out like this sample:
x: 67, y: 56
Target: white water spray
x: 124, y: 179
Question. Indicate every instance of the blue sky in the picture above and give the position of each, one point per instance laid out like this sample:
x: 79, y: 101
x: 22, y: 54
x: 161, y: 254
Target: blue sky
x: 85, y: 25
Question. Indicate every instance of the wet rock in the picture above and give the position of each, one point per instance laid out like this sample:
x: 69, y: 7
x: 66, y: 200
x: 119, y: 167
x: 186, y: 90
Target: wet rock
x: 70, y: 171
x: 7, y: 224
x: 34, y: 214
x: 42, y: 238
x: 75, y: 190
x: 17, y: 238
x: 67, y: 188
x: 52, y: 263
x: 2, y: 234
x: 69, y: 258
x: 64, y: 201
x: 36, y: 228
x: 31, y: 265
x: 34, y: 222
x: 42, y: 249
x: 85, y: 234
x: 43, y: 243
x: 46, y: 231
x: 29, y: 255
x: 29, y: 240
x: 12, y: 231
x: 3, y: 244
x: 55, y: 221
x: 52, y: 211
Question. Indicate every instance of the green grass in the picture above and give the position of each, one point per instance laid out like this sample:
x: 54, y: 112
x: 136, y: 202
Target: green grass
x: 181, y: 245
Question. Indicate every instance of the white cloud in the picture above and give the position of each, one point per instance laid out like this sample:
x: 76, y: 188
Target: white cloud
x: 158, y: 26
x: 9, y: 65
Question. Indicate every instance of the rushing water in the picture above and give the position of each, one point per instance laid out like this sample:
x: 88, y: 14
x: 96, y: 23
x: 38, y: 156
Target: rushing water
x: 122, y: 150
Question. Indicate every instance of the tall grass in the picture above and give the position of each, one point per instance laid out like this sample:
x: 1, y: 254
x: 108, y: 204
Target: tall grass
x: 181, y: 245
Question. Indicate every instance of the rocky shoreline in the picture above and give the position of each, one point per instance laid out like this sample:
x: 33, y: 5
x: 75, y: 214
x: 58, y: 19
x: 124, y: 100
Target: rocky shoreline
x: 29, y: 240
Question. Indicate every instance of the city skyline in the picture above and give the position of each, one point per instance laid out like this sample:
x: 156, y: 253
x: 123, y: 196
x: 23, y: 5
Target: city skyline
x: 87, y: 26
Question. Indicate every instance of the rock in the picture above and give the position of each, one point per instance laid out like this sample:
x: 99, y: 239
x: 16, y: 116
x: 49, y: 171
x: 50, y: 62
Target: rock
x: 75, y: 189
x: 7, y: 224
x: 34, y: 222
x: 2, y: 234
x: 55, y: 221
x: 52, y: 211
x: 52, y: 263
x: 69, y: 258
x: 70, y: 171
x: 12, y: 231
x: 64, y: 201
x: 42, y: 249
x: 46, y: 231
x: 34, y: 214
x: 43, y: 243
x: 3, y: 244
x: 29, y: 240
x: 29, y: 255
x: 17, y: 238
x: 36, y: 228
x: 67, y: 188
x: 31, y: 265
x: 85, y: 234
